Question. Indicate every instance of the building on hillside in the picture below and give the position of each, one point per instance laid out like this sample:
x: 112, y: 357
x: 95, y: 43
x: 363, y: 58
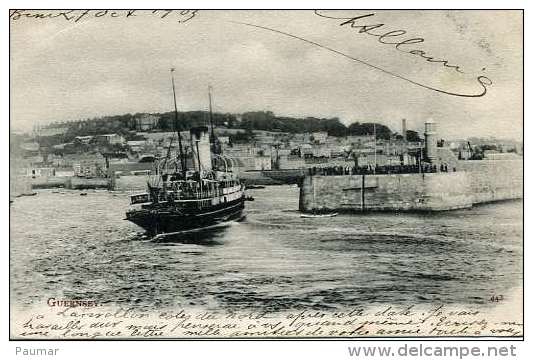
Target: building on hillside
x: 285, y: 162
x: 224, y: 140
x: 306, y: 150
x: 111, y: 139
x: 320, y: 137
x: 360, y: 141
x: 56, y: 160
x: 262, y: 163
x: 30, y: 146
x: 51, y: 131
x: 264, y: 138
x: 40, y: 171
x: 494, y: 155
x: 137, y: 145
x: 240, y: 150
x: 87, y: 164
x: 34, y: 158
x: 83, y: 139
x: 146, y: 122
x: 321, y: 151
x: 64, y: 172
x: 88, y: 169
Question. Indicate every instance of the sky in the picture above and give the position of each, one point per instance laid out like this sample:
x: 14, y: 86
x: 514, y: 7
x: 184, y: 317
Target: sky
x: 108, y: 64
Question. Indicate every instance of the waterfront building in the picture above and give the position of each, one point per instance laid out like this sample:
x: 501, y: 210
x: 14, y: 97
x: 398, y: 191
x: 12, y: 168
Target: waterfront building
x: 83, y: 139
x: 112, y: 139
x: 40, y: 171
x: 136, y: 145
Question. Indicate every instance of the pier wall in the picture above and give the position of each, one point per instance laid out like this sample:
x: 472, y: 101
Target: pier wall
x: 272, y: 177
x: 129, y: 183
x: 87, y: 183
x: 473, y: 184
x: 49, y: 182
x: 19, y: 186
x: 493, y: 180
x: 68, y: 182
x: 286, y: 176
x: 257, y: 177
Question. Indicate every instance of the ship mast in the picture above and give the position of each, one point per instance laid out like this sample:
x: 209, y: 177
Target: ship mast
x: 182, y: 158
x: 215, y: 147
x: 209, y: 88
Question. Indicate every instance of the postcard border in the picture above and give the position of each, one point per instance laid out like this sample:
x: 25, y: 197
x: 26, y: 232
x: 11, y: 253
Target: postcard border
x: 362, y: 338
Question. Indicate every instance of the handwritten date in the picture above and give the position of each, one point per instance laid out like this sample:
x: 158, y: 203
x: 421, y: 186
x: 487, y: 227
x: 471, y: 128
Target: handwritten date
x: 181, y: 16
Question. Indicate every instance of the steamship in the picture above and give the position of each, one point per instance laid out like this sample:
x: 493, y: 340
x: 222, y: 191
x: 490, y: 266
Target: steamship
x: 182, y: 198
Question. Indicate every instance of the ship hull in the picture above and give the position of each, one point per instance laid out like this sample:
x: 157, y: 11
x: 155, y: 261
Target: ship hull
x: 161, y: 221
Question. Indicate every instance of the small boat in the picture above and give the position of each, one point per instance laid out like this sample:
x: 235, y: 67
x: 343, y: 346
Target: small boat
x: 27, y: 194
x: 83, y: 194
x: 318, y: 215
x: 253, y: 187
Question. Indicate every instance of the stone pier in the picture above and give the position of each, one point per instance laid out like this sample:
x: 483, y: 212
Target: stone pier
x: 474, y: 182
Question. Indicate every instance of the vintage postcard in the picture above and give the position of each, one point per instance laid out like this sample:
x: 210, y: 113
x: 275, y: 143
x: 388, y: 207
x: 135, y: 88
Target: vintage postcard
x: 266, y: 174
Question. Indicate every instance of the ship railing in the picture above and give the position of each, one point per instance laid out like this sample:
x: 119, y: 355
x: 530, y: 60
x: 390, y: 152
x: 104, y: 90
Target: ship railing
x: 191, y: 190
x: 139, y: 199
x: 201, y: 195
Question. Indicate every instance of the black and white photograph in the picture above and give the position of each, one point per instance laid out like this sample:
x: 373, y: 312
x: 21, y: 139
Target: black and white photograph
x: 265, y: 174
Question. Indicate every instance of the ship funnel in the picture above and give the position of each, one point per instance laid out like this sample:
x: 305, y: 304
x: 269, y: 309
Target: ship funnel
x: 201, y: 148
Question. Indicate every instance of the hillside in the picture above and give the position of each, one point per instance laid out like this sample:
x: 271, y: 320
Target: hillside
x: 256, y: 120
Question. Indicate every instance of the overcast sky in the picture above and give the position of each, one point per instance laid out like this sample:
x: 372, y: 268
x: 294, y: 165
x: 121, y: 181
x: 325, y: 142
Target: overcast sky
x: 66, y: 70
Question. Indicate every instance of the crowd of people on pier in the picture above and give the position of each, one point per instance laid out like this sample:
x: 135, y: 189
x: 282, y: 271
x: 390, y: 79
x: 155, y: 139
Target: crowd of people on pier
x: 379, y: 169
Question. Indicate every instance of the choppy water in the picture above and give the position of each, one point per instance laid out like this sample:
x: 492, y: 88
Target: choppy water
x: 65, y: 245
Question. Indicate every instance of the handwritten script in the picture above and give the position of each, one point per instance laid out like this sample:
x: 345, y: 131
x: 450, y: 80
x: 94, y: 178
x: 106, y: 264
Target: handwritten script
x: 393, y: 38
x: 181, y: 16
x: 389, y: 321
x: 388, y: 38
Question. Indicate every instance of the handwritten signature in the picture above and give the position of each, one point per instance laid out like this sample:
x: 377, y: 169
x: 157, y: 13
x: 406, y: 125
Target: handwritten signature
x: 388, y: 39
x: 181, y: 16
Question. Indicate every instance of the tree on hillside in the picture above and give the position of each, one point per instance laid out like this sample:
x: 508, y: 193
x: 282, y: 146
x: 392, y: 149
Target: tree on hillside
x: 359, y: 129
x: 334, y: 127
x: 412, y: 136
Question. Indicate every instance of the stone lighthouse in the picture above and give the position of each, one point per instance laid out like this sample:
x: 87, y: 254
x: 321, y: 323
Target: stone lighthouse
x: 430, y: 134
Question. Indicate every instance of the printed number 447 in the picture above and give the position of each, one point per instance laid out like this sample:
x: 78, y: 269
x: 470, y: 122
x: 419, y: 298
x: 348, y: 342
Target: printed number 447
x: 496, y: 298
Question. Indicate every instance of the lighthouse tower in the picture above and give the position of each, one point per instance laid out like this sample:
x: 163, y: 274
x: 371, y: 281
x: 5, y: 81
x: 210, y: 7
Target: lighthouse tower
x: 430, y: 135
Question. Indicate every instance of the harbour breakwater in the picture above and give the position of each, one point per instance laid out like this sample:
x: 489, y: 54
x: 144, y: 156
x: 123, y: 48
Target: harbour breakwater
x: 138, y: 182
x: 119, y: 183
x: 19, y: 186
x: 473, y: 182
x: 68, y: 182
x: 272, y: 177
